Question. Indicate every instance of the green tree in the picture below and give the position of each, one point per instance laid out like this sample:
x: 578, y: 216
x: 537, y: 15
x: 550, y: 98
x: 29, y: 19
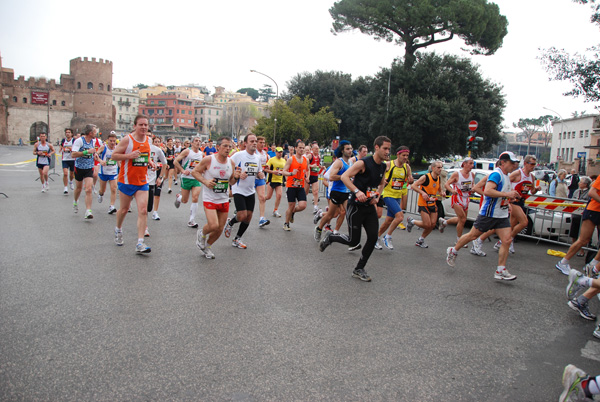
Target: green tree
x: 530, y: 126
x: 296, y: 121
x: 430, y: 106
x: 141, y: 86
x: 266, y: 93
x: 251, y: 92
x: 581, y: 70
x: 421, y: 23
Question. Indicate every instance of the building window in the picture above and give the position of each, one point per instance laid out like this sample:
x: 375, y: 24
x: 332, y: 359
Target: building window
x: 79, y: 85
x: 101, y: 87
x: 24, y: 100
x: 151, y: 121
x: 90, y: 85
x: 580, y: 133
x: 15, y: 99
x: 189, y: 112
x: 217, y: 112
x: 587, y: 133
x: 201, y: 111
x: 202, y: 122
x: 170, y: 112
x: 108, y: 87
x: 63, y: 103
x: 54, y: 102
x: 209, y: 111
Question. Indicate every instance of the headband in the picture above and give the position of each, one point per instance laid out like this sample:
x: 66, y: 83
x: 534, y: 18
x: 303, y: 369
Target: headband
x: 403, y: 150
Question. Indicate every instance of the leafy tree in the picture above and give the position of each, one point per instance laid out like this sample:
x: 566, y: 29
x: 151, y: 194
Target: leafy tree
x: 430, y: 106
x: 141, y: 86
x: 237, y: 119
x: 253, y: 93
x: 296, y: 121
x: 581, y: 70
x: 266, y: 93
x: 421, y: 23
x: 530, y: 126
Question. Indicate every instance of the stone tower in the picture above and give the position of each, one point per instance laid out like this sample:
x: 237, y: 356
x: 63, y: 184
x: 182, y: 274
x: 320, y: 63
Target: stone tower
x: 92, y: 98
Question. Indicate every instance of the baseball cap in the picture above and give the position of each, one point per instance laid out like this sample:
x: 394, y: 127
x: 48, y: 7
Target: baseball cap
x: 112, y: 132
x: 279, y: 149
x: 508, y: 156
x: 467, y: 159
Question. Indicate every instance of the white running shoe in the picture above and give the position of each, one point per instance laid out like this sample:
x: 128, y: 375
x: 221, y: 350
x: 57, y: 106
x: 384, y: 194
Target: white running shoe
x: 200, y: 240
x: 71, y: 185
x: 475, y: 250
x: 66, y: 191
x: 564, y: 268
x: 192, y: 224
x: 119, y: 238
x: 88, y: 214
x: 177, y: 200
x: 504, y: 275
x: 208, y: 253
x: 43, y: 188
x: 410, y: 222
x: 141, y: 248
x: 498, y: 245
x: 146, y: 232
x: 75, y: 207
x: 155, y: 216
x: 451, y: 257
x: 94, y: 189
x: 378, y: 245
x: 442, y: 223
x: 511, y: 249
x: 100, y: 198
x: 387, y: 241
x: 421, y: 243
x: 276, y: 214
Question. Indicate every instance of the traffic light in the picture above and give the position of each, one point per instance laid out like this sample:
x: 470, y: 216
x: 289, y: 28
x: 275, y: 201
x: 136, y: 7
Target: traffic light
x: 476, y: 141
x: 471, y: 142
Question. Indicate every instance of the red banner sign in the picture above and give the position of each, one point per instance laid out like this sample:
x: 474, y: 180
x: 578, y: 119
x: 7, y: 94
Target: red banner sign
x: 39, y: 98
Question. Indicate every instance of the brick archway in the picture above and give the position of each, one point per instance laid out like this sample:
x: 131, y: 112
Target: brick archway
x: 36, y: 129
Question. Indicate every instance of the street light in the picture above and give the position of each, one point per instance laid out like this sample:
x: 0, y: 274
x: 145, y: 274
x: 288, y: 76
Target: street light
x: 560, y: 135
x: 277, y: 97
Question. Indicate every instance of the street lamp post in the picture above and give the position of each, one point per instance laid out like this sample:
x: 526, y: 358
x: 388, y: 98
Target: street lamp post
x: 560, y: 134
x: 277, y: 97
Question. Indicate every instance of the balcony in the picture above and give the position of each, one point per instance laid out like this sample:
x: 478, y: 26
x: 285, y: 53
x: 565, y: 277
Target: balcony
x: 124, y: 103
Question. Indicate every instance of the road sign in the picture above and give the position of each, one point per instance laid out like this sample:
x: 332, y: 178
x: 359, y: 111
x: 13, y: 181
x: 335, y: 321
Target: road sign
x: 473, y: 125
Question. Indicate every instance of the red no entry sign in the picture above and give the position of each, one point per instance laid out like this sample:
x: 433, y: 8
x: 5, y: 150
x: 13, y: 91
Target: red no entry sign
x: 473, y: 125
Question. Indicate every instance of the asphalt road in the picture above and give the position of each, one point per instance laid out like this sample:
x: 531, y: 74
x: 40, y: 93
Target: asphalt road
x: 82, y: 319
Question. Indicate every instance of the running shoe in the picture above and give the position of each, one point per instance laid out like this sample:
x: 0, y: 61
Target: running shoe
x: 208, y: 253
x: 47, y: 186
x: 177, y: 200
x: 66, y: 191
x: 100, y: 198
x: 315, y: 209
x: 141, y: 248
x: 564, y: 268
x: 43, y: 188
x: 401, y: 226
x: 583, y: 309
x: 477, y: 251
x: 111, y: 210
x: 192, y: 224
x: 378, y: 245
x: 498, y: 245
x: 571, y: 380
x: 357, y: 247
x: 442, y: 223
x: 119, y: 238
x: 590, y: 271
x: 317, y: 217
x: 228, y: 228
x: 71, y: 185
x: 276, y: 214
x: 361, y: 274
x: 286, y: 227
x: 511, y: 249
x: 201, y: 240
x: 574, y: 286
x: 146, y: 232
x: 238, y: 243
x: 169, y: 191
x: 596, y: 332
x: 263, y: 222
x: 451, y: 257
x: 504, y: 275
x: 94, y: 189
x: 325, y: 242
x: 387, y: 241
x: 421, y: 243
x: 410, y: 222
x: 175, y: 182
x: 328, y: 227
x: 75, y: 207
x: 318, y: 233
x: 155, y: 216
x: 88, y: 214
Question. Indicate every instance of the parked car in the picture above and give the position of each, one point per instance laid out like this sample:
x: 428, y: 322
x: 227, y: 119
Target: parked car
x: 539, y: 174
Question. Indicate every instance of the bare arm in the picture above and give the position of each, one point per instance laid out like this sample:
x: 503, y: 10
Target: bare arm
x: 453, y: 179
x: 180, y: 157
x: 335, y: 168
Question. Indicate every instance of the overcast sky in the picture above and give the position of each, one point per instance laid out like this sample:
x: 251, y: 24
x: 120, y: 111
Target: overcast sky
x: 217, y: 43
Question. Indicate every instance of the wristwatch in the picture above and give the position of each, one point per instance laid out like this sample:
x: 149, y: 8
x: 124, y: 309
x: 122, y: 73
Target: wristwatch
x: 356, y: 190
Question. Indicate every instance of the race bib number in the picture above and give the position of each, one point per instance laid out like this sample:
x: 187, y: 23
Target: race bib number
x: 296, y: 182
x: 193, y: 164
x: 110, y: 162
x: 315, y: 169
x: 466, y: 187
x: 371, y: 192
x: 221, y: 185
x: 67, y: 150
x: 504, y: 203
x: 251, y: 169
x: 397, y: 184
x: 141, y: 161
x: 432, y: 199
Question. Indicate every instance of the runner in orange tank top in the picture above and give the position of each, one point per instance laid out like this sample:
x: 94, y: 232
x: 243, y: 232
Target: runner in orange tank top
x: 134, y: 153
x: 296, y: 170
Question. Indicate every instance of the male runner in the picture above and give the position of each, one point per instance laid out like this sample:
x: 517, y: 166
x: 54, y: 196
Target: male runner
x: 217, y: 173
x: 275, y: 167
x: 84, y: 153
x: 108, y: 171
x: 493, y: 214
x: 133, y: 151
x: 68, y: 162
x: 185, y: 163
x: 428, y: 187
x: 97, y: 145
x: 361, y: 153
x: 296, y: 170
x: 365, y: 179
x: 155, y: 180
x: 261, y: 183
x: 338, y: 195
x: 314, y: 161
x: 395, y: 177
x: 244, y: 189
x: 170, y: 154
x: 460, y: 185
x: 42, y: 149
x: 209, y: 149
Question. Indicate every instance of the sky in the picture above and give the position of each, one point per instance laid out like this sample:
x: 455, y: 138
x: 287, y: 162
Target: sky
x: 217, y: 43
